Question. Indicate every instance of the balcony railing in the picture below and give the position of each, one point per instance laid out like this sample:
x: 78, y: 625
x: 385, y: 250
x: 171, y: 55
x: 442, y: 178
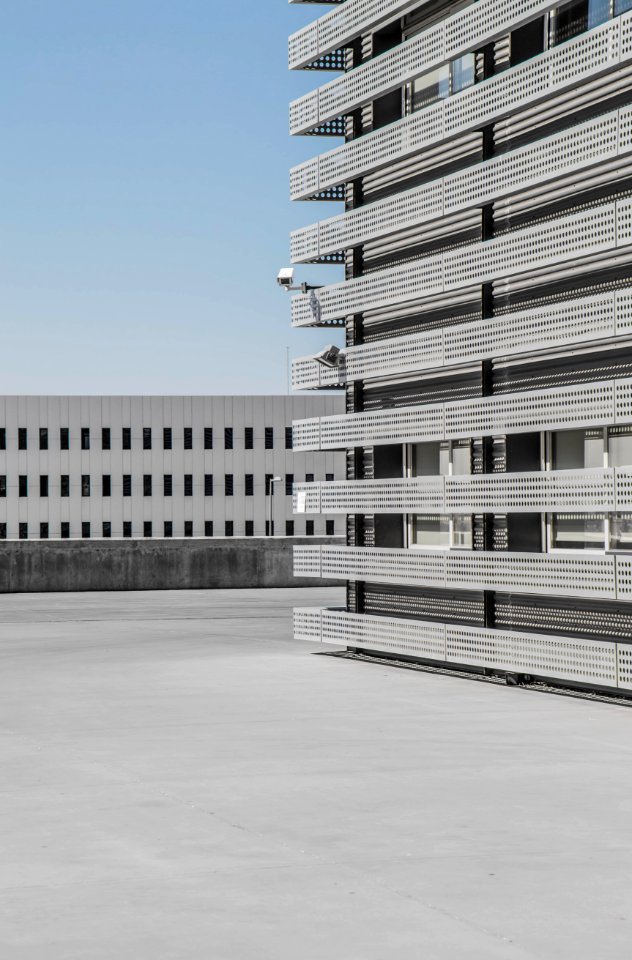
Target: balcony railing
x: 605, y: 316
x: 582, y: 491
x: 594, y: 230
x: 602, y: 662
x: 467, y: 30
x: 580, y: 574
x: 559, y: 408
x: 562, y: 68
x: 591, y: 143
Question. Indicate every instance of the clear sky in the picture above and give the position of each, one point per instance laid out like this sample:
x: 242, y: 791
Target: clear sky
x: 144, y: 195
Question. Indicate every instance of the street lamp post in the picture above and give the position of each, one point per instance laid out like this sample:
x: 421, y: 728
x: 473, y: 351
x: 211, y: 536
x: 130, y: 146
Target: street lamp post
x: 273, y: 480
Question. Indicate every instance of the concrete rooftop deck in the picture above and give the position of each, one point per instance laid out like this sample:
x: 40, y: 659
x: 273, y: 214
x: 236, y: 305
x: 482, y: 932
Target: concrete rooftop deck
x: 181, y: 780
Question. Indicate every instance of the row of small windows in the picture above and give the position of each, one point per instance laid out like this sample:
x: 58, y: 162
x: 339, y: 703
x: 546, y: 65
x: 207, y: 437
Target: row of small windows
x: 167, y: 529
x: 148, y: 484
x: 148, y: 438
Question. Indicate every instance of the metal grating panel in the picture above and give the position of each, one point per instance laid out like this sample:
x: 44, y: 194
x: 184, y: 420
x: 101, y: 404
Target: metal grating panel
x: 497, y: 97
x: 406, y: 637
x: 307, y: 623
x: 306, y: 434
x: 307, y: 561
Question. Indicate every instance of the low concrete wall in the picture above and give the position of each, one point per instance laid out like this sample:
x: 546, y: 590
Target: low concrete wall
x: 38, y: 566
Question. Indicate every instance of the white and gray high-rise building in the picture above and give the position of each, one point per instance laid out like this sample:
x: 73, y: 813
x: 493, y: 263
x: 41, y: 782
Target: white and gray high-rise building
x: 485, y: 231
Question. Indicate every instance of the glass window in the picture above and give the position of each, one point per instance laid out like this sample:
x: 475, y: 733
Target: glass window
x: 64, y: 438
x: 188, y: 484
x: 64, y: 484
x: 329, y: 477
x: 127, y: 528
x: 3, y: 485
x: 127, y: 438
x: 269, y: 438
x: 106, y: 485
x: 65, y: 530
x: 85, y: 485
x: 228, y: 485
x: 167, y: 438
x: 147, y: 528
x: 228, y: 528
x: 433, y: 86
x: 250, y: 528
x: 228, y: 438
x: 43, y: 438
x: 43, y: 486
x: 3, y: 531
x: 208, y: 528
x: 3, y: 438
x: 309, y: 528
x: 309, y: 478
x: 107, y: 529
x: 106, y: 440
x: 43, y: 531
x: 249, y: 484
x: 288, y: 430
x: 567, y: 450
x: 147, y: 485
x: 621, y: 531
x: 463, y: 71
x: 289, y: 483
x: 208, y: 484
x: 462, y: 532
x: 329, y: 528
x: 23, y: 486
x: 167, y: 485
x: 188, y: 528
x: 127, y: 484
x: 622, y: 6
x: 85, y: 530
x: 249, y: 438
x: 146, y: 438
x: 23, y: 531
x: 85, y: 438
x: 188, y: 438
x: 426, y: 459
x: 208, y: 438
x: 620, y: 446
x: 289, y: 528
x: 168, y: 528
x: 430, y: 531
x: 22, y: 438
x: 577, y: 531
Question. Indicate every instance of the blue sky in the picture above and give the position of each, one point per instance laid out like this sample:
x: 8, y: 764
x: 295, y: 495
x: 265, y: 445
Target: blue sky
x: 144, y: 196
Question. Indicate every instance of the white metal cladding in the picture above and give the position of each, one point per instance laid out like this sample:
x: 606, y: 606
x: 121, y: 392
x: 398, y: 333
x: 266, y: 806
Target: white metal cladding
x: 595, y: 229
x: 308, y: 374
x: 341, y: 25
x: 589, y: 143
x: 578, y: 490
x: 565, y: 658
x: 416, y: 56
x: 307, y: 623
x: 571, y: 574
x: 557, y: 408
x: 408, y: 637
x: 604, y: 316
x: 600, y: 49
x: 306, y: 434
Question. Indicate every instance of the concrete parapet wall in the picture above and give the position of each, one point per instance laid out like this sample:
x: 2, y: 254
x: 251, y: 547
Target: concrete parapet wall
x: 37, y: 566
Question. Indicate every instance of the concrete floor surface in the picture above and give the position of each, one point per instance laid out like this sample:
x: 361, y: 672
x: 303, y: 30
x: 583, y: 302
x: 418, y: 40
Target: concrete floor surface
x: 182, y: 781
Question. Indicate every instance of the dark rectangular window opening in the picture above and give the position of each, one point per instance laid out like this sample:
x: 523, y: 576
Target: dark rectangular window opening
x: 289, y: 442
x: 23, y: 531
x: 146, y: 438
x: 147, y: 528
x: 309, y: 528
x: 188, y: 438
x: 168, y: 528
x: 106, y: 485
x: 269, y: 530
x: 269, y: 484
x: 65, y: 530
x: 228, y: 485
x: 167, y: 485
x: 85, y: 530
x: 329, y: 528
x: 64, y: 438
x: 106, y: 438
x: 127, y: 484
x: 269, y: 435
x: 127, y: 528
x: 167, y: 438
x: 22, y: 438
x: 188, y: 528
x: 249, y: 438
x: 329, y: 477
x: 309, y: 478
x: 250, y: 528
x: 228, y: 528
x: 289, y: 483
x: 3, y: 531
x: 85, y: 485
x: 289, y: 528
x: 64, y: 485
x: 43, y: 531
x: 3, y: 438
x: 208, y: 438
x: 127, y: 438
x: 228, y: 438
x: 249, y: 483
x: 188, y: 484
x: 43, y: 438
x: 85, y: 438
x: 43, y: 485
x: 208, y: 484
x: 23, y: 486
x: 3, y: 485
x: 147, y: 485
x: 107, y: 529
x: 208, y: 528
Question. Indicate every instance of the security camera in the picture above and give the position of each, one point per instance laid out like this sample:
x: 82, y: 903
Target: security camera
x: 329, y: 357
x: 285, y: 278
